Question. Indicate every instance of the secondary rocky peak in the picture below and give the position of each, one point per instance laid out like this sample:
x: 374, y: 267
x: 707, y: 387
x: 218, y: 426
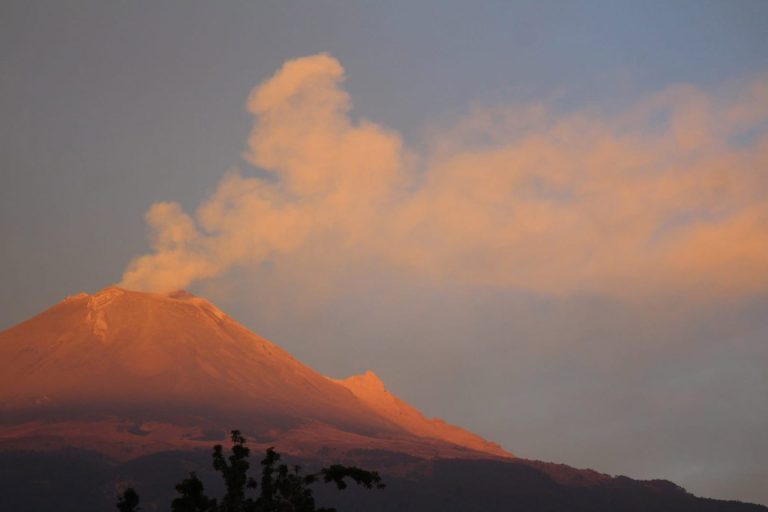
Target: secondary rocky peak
x: 370, y: 389
x: 368, y: 381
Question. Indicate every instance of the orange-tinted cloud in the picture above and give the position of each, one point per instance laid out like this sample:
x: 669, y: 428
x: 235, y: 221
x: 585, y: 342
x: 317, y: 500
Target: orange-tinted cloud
x: 668, y: 195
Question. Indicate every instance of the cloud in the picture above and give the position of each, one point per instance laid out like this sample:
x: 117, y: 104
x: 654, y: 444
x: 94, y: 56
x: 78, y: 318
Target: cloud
x: 665, y: 196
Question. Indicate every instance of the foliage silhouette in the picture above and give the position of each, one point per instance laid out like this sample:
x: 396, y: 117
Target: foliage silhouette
x: 128, y: 501
x: 192, y: 497
x: 282, y: 488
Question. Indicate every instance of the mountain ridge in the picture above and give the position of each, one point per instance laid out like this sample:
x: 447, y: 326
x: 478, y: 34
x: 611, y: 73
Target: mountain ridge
x: 122, y: 386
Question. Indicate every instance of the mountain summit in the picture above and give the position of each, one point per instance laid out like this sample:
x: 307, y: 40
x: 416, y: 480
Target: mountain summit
x: 133, y: 369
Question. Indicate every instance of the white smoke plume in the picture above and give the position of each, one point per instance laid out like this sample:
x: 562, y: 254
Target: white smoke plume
x: 669, y: 195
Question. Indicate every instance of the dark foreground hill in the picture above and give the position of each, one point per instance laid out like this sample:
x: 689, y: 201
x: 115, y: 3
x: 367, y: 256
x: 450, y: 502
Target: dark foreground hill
x: 84, y: 481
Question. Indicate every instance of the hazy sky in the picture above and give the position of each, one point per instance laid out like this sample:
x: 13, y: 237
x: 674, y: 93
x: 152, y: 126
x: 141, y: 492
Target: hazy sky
x: 543, y: 221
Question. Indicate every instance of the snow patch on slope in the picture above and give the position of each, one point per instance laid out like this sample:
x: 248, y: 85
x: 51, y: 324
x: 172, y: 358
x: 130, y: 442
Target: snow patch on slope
x: 97, y: 304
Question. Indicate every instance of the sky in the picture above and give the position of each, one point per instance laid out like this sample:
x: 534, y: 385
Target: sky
x: 542, y: 221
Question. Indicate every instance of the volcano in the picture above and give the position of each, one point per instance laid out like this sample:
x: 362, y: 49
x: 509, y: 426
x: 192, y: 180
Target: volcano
x: 124, y: 387
x: 130, y: 373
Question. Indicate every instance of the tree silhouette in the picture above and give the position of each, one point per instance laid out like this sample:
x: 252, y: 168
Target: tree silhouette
x: 234, y: 472
x: 192, y: 498
x: 128, y: 501
x: 282, y: 488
